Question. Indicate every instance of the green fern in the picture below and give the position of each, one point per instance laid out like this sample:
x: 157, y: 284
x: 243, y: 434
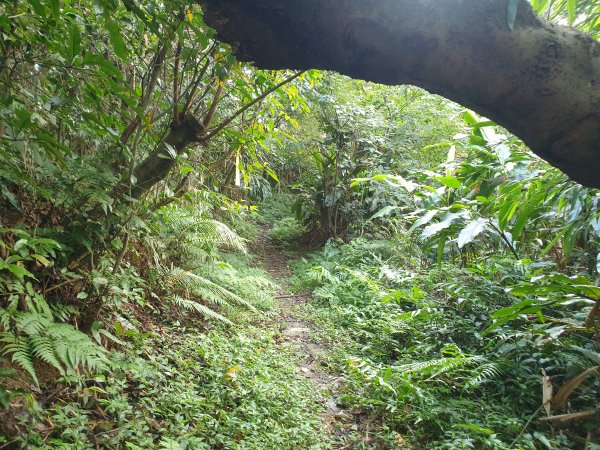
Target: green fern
x: 178, y: 280
x: 21, y: 351
x: 42, y: 348
x: 59, y: 344
x: 484, y: 373
x: 436, y: 367
x: 191, y: 305
x: 214, y: 232
x: 192, y: 239
x: 199, y: 238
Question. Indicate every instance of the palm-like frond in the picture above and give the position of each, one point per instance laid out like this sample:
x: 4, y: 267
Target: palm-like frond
x: 176, y: 279
x: 204, y: 234
x: 435, y: 367
x: 59, y: 344
x: 220, y: 234
x: 191, y: 305
x: 191, y: 239
x: 483, y: 373
x: 201, y: 287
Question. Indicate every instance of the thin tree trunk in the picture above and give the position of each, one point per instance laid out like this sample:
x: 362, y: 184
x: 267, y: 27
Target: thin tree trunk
x: 159, y: 163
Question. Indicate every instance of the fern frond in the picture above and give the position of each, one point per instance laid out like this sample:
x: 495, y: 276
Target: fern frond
x: 63, y: 312
x: 191, y: 305
x: 76, y: 349
x: 31, y: 323
x: 172, y: 276
x: 220, y: 234
x: 204, y: 233
x: 485, y: 372
x: 209, y: 286
x: 59, y: 344
x: 201, y: 287
x: 42, y: 348
x: 5, y: 317
x: 21, y: 352
x: 436, y: 367
x: 37, y: 303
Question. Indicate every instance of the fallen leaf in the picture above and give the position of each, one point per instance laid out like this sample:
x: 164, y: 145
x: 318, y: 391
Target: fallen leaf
x: 232, y: 373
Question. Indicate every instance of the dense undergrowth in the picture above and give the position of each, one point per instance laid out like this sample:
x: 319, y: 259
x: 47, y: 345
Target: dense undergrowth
x: 171, y: 381
x: 180, y: 387
x: 415, y: 359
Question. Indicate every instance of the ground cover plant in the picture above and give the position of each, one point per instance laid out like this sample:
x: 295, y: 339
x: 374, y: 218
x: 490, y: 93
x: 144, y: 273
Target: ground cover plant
x: 416, y: 357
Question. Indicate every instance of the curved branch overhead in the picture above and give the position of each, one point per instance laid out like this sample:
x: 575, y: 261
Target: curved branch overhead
x: 540, y: 81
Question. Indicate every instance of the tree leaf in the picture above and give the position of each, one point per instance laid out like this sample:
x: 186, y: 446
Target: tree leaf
x: 19, y: 271
x: 449, y: 181
x: 435, y: 228
x: 539, y: 5
x: 38, y: 8
x: 426, y: 218
x: 440, y: 248
x: 447, y: 221
x: 468, y: 233
x: 104, y: 65
x: 116, y: 39
x: 42, y: 260
x: 74, y: 41
x: 571, y: 7
x: 55, y: 8
x: 530, y: 206
x: 386, y: 210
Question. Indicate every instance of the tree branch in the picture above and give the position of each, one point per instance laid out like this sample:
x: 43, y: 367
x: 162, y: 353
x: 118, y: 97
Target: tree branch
x: 240, y: 111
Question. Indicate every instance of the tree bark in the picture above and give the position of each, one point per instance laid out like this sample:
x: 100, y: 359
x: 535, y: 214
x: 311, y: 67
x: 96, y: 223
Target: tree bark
x: 159, y: 163
x: 540, y: 81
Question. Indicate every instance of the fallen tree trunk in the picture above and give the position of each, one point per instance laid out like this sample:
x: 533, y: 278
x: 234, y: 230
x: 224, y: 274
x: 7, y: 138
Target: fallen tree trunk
x: 540, y: 81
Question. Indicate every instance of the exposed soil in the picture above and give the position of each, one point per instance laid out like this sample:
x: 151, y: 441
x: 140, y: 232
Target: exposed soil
x: 300, y: 332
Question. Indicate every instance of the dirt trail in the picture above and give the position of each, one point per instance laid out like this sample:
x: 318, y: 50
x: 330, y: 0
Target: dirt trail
x: 298, y: 331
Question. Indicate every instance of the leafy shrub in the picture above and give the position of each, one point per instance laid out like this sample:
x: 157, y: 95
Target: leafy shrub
x: 416, y: 354
x: 274, y: 208
x: 287, y: 231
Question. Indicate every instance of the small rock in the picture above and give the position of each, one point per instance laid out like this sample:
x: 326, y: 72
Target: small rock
x: 295, y: 331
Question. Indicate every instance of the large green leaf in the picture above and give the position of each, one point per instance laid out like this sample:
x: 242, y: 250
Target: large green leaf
x: 558, y: 284
x: 526, y: 210
x: 74, y: 41
x: 450, y: 181
x: 426, y: 218
x: 471, y: 231
x: 39, y: 9
x: 55, y: 9
x: 446, y: 222
x: 385, y: 211
x: 103, y: 64
x: 571, y: 8
x: 116, y: 39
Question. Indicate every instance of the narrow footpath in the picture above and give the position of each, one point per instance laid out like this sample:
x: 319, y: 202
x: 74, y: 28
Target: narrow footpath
x: 300, y: 332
